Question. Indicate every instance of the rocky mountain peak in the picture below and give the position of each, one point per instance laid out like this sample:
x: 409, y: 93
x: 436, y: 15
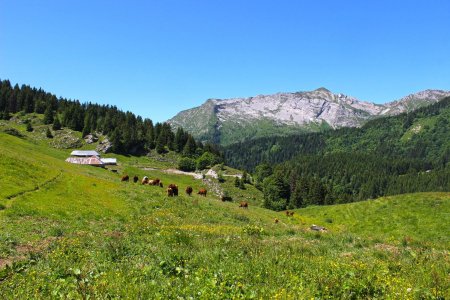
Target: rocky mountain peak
x: 222, y: 119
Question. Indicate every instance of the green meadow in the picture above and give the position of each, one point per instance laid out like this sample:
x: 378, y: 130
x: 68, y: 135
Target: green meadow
x: 78, y: 232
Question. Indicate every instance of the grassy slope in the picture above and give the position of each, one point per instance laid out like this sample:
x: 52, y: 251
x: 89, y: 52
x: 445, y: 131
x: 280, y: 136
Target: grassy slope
x: 83, y: 232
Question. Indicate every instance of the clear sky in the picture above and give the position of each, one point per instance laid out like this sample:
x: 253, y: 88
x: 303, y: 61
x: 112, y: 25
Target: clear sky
x: 158, y: 57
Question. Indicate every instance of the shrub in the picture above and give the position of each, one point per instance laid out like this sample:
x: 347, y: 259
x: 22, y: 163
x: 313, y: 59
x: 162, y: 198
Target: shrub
x: 48, y: 133
x: 186, y: 164
x: 29, y: 127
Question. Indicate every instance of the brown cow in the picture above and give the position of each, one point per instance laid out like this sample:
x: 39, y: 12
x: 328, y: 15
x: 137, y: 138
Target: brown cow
x: 174, y: 188
x: 135, y: 178
x: 189, y: 190
x: 125, y: 178
x: 202, y: 192
x: 161, y: 184
x: 289, y: 213
x: 243, y: 204
x: 169, y: 192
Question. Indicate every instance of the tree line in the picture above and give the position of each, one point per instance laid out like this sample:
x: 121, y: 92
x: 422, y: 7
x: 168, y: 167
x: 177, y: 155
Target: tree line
x: 392, y: 155
x: 422, y: 133
x: 128, y: 133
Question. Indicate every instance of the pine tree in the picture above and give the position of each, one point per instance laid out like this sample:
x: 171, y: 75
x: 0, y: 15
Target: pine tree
x: 48, y: 115
x: 190, y: 147
x: 56, y: 124
x: 160, y: 144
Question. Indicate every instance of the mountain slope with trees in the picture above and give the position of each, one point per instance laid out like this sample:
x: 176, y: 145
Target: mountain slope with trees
x: 393, y: 155
x: 127, y: 133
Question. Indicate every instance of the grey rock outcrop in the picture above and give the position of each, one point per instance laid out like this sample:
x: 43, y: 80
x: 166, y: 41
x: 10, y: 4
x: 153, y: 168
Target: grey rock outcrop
x: 218, y: 119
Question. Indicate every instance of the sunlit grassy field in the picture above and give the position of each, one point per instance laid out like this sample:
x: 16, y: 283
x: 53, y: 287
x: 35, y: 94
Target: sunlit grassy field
x: 78, y: 232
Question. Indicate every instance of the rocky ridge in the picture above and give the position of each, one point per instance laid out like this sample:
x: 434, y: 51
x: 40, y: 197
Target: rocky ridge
x: 218, y: 120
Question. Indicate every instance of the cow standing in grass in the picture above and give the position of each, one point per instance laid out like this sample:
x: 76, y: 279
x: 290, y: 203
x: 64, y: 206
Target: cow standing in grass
x: 135, y: 178
x: 202, y: 192
x: 174, y: 188
x: 169, y: 192
x: 125, y: 178
x: 243, y: 204
x: 189, y: 190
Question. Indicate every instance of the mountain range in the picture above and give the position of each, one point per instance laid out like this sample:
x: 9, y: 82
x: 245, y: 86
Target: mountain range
x: 227, y: 121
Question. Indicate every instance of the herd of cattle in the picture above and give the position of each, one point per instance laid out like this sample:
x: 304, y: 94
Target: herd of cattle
x: 172, y: 190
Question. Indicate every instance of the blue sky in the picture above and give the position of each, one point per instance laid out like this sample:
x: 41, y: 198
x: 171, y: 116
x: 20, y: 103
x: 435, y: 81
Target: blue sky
x: 158, y: 57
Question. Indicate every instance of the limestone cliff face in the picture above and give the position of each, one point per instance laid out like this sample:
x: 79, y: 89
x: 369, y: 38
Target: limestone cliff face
x: 230, y: 120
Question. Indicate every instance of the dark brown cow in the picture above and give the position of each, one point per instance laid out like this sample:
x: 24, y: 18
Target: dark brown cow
x: 243, y: 204
x: 174, y: 188
x: 156, y: 181
x: 169, y: 192
x: 202, y: 192
x: 189, y: 190
x: 161, y: 184
x: 135, y: 178
x: 125, y: 178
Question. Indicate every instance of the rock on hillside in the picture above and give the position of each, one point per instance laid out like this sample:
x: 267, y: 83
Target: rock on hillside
x: 230, y: 120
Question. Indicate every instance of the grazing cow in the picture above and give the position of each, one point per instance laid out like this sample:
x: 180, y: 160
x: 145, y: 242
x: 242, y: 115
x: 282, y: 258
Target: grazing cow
x: 161, y: 184
x: 202, y: 192
x: 135, y: 178
x: 243, y: 204
x: 169, y: 192
x: 189, y: 190
x: 125, y: 178
x: 276, y: 220
x: 174, y: 188
x: 156, y: 181
x: 145, y: 180
x: 289, y: 213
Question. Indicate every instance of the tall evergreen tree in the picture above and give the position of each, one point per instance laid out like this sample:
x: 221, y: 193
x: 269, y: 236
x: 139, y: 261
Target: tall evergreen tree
x: 48, y: 115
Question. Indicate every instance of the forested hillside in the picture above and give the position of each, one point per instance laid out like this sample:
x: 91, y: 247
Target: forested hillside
x: 394, y: 155
x: 423, y: 133
x: 128, y: 133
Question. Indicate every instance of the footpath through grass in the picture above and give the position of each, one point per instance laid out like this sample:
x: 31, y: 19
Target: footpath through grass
x: 84, y: 234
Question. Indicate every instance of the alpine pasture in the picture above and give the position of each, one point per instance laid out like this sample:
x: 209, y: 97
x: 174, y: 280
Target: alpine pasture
x: 78, y: 232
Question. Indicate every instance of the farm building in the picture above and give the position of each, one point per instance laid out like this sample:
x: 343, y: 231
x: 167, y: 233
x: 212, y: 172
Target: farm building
x: 109, y: 161
x: 92, y: 161
x: 89, y: 157
x: 84, y: 153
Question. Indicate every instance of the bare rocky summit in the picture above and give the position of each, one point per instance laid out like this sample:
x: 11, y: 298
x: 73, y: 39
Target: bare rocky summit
x: 232, y: 120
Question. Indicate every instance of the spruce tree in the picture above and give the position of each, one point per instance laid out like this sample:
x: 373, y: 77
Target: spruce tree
x: 56, y: 124
x: 48, y: 115
x: 190, y: 147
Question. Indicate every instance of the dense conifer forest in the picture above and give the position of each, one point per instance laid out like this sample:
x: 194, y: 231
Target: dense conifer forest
x: 393, y: 155
x: 128, y: 133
